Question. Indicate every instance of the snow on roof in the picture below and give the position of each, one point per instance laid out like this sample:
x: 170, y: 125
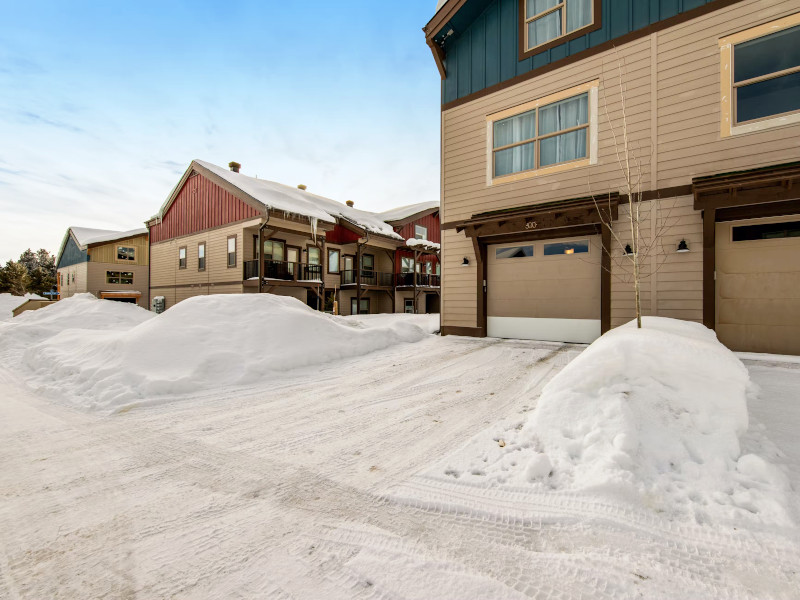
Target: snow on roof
x: 439, y: 5
x: 300, y: 202
x: 403, y: 212
x: 423, y: 244
x: 85, y: 235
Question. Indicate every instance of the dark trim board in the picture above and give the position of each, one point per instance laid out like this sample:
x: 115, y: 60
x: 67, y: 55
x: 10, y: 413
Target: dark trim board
x: 191, y: 285
x: 573, y: 58
x: 466, y: 331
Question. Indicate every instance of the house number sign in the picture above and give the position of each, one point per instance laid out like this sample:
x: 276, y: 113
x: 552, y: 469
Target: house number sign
x: 530, y: 225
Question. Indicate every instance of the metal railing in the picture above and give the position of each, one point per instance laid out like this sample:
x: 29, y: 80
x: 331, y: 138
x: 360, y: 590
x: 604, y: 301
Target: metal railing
x: 423, y: 280
x: 281, y: 269
x: 367, y: 278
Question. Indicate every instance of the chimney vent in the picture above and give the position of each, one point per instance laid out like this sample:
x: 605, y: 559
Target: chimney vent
x: 234, y: 166
x: 350, y: 203
x: 302, y: 186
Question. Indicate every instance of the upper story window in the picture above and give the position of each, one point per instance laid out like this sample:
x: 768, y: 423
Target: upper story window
x: 333, y: 260
x: 420, y: 232
x: 126, y: 253
x: 406, y: 264
x: 555, y: 131
x: 313, y: 255
x: 549, y: 20
x: 761, y: 77
x: 182, y: 257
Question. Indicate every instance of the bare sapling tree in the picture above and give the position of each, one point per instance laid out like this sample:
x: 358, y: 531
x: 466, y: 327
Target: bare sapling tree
x: 641, y: 250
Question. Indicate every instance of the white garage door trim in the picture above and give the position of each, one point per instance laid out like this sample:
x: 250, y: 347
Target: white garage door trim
x: 579, y: 331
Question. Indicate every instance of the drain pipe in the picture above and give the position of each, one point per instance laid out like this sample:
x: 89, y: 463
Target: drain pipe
x: 260, y: 249
x: 359, y: 245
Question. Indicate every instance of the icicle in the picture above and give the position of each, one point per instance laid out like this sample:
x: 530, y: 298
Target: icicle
x: 313, y: 222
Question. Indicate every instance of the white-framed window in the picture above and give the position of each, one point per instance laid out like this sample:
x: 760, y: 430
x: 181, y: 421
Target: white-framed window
x: 333, y: 260
x: 406, y: 264
x: 550, y: 134
x: 182, y: 257
x: 232, y: 251
x: 201, y: 256
x: 548, y: 20
x: 126, y: 253
x: 760, y: 70
x: 420, y: 232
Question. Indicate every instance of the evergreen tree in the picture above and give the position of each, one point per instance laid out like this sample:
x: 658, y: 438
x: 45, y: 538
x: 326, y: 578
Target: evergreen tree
x: 29, y: 260
x: 14, y: 278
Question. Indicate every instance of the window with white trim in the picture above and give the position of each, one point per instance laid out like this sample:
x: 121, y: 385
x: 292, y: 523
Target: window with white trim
x: 760, y: 70
x: 548, y: 20
x: 550, y: 134
x: 420, y: 232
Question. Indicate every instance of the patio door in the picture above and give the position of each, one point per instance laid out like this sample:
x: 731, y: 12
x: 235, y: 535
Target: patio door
x: 292, y: 258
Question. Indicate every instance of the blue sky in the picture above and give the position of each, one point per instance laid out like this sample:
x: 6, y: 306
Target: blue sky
x: 104, y: 104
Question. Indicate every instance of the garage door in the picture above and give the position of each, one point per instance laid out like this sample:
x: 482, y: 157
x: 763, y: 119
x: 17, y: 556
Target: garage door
x: 545, y: 290
x: 758, y: 285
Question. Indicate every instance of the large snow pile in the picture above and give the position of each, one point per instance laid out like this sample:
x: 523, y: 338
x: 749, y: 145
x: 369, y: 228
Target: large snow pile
x: 9, y: 302
x: 652, y: 416
x: 429, y: 323
x: 202, y: 343
x: 80, y: 312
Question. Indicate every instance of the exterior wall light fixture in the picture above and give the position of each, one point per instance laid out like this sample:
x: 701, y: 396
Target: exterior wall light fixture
x: 465, y: 262
x: 682, y: 247
x: 628, y: 250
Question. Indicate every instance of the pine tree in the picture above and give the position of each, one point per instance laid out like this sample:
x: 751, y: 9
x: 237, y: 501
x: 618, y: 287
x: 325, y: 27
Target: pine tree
x: 14, y: 278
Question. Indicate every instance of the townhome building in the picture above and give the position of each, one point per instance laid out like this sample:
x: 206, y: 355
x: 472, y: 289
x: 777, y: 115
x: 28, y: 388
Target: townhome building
x: 221, y: 231
x: 560, y: 117
x: 112, y: 265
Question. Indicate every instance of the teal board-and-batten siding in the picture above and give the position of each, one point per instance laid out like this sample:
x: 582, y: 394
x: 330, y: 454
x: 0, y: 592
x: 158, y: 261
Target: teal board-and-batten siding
x: 486, y: 53
x: 72, y: 255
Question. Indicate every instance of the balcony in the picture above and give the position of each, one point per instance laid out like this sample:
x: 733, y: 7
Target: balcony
x: 367, y: 278
x: 283, y: 271
x: 423, y: 280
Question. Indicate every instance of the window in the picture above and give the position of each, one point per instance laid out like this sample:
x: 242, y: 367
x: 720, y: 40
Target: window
x: 364, y: 306
x: 514, y: 252
x: 409, y: 306
x: 333, y: 260
x: 549, y: 20
x: 406, y: 264
x: 313, y: 255
x: 201, y: 256
x: 182, y: 257
x: 761, y: 77
x: 232, y: 251
x: 766, y: 231
x: 274, y: 250
x: 420, y: 232
x: 576, y: 247
x: 124, y: 253
x: 368, y: 262
x: 538, y: 136
x: 119, y: 277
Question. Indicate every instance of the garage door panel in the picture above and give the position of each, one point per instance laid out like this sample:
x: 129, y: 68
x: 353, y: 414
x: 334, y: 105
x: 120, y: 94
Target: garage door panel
x: 760, y: 285
x: 546, y: 297
x: 758, y: 290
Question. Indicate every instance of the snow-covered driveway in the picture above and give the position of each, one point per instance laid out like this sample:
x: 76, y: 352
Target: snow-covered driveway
x: 309, y: 487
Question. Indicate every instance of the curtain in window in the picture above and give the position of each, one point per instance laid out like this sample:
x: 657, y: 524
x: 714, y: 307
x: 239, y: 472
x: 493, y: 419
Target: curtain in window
x: 579, y: 14
x: 513, y: 160
x: 515, y: 129
x: 544, y: 29
x: 557, y: 117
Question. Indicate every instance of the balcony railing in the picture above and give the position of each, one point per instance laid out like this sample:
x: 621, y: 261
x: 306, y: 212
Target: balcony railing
x: 373, y: 278
x: 283, y: 270
x: 423, y: 280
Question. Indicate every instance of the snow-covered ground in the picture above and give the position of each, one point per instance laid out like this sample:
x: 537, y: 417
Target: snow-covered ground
x: 9, y: 302
x: 325, y: 481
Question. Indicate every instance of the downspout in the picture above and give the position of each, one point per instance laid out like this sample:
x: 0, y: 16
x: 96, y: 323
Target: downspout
x: 260, y: 250
x: 359, y: 245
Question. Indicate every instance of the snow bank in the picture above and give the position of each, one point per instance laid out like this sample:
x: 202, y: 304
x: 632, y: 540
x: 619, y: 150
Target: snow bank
x: 9, y: 302
x: 202, y: 343
x: 651, y: 416
x: 429, y: 323
x: 81, y: 311
x: 423, y: 244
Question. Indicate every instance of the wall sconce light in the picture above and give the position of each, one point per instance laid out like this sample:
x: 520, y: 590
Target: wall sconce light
x: 682, y: 247
x: 628, y: 250
x: 465, y: 262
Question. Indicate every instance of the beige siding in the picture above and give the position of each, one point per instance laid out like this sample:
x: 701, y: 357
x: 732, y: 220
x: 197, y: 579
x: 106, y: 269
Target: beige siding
x: 676, y: 137
x: 96, y: 280
x: 459, y: 299
x: 107, y: 253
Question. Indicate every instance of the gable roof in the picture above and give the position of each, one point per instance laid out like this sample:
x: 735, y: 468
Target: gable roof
x: 87, y: 236
x: 405, y: 212
x: 264, y: 195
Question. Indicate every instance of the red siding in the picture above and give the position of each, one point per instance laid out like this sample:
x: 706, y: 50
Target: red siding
x: 340, y: 235
x: 201, y: 204
x: 429, y: 221
x: 398, y: 264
